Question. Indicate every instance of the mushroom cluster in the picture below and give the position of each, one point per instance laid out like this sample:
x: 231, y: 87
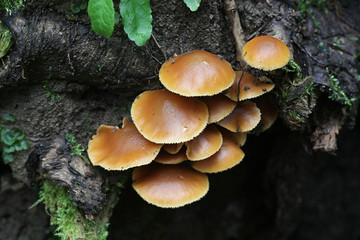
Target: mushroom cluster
x: 194, y: 126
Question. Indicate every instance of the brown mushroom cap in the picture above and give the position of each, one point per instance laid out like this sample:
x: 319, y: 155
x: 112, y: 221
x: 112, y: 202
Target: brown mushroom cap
x: 165, y: 117
x: 244, y: 118
x: 268, y: 111
x: 250, y: 87
x: 227, y: 157
x: 266, y: 53
x: 166, y: 158
x: 204, y: 145
x: 219, y: 106
x: 197, y: 73
x: 120, y: 149
x: 237, y: 137
x: 169, y: 186
x: 173, y: 148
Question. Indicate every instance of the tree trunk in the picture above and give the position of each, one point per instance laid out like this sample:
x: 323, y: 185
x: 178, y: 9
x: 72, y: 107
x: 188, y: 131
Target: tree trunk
x: 59, y: 78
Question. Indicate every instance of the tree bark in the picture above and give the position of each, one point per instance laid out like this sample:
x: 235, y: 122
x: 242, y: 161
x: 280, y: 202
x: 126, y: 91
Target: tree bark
x: 60, y: 77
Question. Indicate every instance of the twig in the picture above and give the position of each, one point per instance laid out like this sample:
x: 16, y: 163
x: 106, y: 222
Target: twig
x: 158, y: 45
x: 237, y: 30
x: 337, y: 8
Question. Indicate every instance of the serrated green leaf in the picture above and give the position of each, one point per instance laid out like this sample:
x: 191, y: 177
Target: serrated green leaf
x: 7, y: 136
x: 192, y: 4
x: 8, y: 158
x: 137, y: 19
x: 102, y: 16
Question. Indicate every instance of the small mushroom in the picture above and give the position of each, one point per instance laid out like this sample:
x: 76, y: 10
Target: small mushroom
x: 197, y: 73
x: 204, y: 145
x: 268, y: 111
x: 244, y: 118
x: 266, y: 53
x: 120, y: 149
x: 165, y: 117
x: 237, y: 137
x: 166, y: 158
x: 173, y: 148
x: 227, y: 157
x: 169, y: 186
x: 219, y: 106
x: 250, y: 87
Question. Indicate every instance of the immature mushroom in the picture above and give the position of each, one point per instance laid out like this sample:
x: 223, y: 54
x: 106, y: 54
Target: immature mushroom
x: 237, y: 137
x: 250, y: 87
x: 120, y: 149
x: 244, y: 118
x: 268, y: 111
x: 266, y: 53
x: 169, y: 186
x: 227, y: 157
x: 219, y: 106
x: 165, y: 117
x: 166, y: 158
x: 204, y: 145
x: 197, y: 73
x: 173, y: 148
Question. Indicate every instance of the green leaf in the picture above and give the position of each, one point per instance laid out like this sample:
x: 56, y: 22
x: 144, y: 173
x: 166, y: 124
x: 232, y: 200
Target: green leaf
x: 8, y: 149
x: 192, y: 4
x: 18, y: 134
x: 137, y: 19
x: 102, y: 16
x: 83, y: 5
x: 21, y: 145
x: 7, y: 137
x: 9, y: 117
x: 75, y: 8
x: 8, y: 158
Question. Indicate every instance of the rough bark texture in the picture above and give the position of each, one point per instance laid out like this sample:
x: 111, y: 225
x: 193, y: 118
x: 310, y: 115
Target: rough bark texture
x: 285, y: 190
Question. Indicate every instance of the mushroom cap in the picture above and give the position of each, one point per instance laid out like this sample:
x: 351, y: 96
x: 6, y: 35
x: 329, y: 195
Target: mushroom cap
x: 169, y: 186
x: 244, y: 118
x: 250, y: 87
x: 197, y: 73
x: 227, y: 157
x: 266, y: 53
x: 219, y: 106
x: 237, y: 137
x: 120, y: 149
x: 204, y: 145
x: 165, y: 117
x: 268, y: 111
x: 173, y: 148
x: 166, y: 158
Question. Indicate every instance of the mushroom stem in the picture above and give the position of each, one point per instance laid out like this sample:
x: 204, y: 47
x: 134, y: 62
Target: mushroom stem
x: 237, y: 30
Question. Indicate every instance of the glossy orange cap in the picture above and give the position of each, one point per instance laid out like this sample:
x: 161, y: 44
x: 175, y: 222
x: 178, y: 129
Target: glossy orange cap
x: 169, y: 186
x: 120, y: 149
x: 197, y: 73
x: 266, y: 53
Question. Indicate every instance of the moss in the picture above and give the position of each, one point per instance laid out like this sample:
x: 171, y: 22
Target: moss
x: 10, y: 5
x: 69, y: 223
x: 5, y: 40
x: 305, y: 7
x: 336, y: 93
